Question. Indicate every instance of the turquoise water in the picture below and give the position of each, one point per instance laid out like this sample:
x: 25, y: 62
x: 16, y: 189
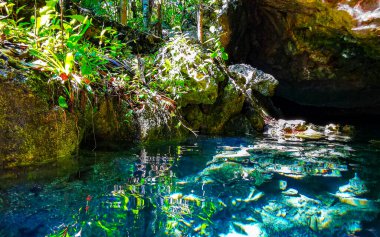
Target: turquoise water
x: 205, y: 186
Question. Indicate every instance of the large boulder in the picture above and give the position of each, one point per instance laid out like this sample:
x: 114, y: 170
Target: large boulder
x: 187, y: 72
x: 250, y: 78
x: 211, y: 119
x: 323, y: 53
x: 31, y: 132
x: 115, y: 122
x: 209, y: 95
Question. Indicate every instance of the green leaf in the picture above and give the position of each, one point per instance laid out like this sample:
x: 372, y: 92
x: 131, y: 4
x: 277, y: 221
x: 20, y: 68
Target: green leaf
x: 214, y: 54
x: 79, y: 18
x: 85, y: 68
x: 225, y: 56
x: 69, y: 62
x: 62, y: 102
x: 51, y: 3
x: 20, y: 8
x: 168, y: 65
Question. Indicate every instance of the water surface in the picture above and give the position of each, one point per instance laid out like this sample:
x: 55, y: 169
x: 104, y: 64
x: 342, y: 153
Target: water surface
x: 205, y: 186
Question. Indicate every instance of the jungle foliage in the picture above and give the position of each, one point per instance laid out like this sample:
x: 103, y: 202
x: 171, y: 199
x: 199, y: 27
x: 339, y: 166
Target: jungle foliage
x: 84, y: 62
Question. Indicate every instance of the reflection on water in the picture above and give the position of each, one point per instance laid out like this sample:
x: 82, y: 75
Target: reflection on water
x: 203, y: 187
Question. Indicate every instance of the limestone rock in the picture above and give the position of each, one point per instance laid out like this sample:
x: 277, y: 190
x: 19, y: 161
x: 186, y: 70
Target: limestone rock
x: 355, y: 186
x: 290, y: 192
x: 310, y: 47
x: 31, y: 132
x: 187, y: 72
x: 282, y: 184
x: 299, y: 130
x: 252, y: 78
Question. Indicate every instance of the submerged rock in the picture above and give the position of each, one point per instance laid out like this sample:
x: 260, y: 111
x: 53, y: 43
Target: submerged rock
x: 347, y: 198
x: 253, y: 196
x: 348, y: 193
x: 355, y: 186
x: 299, y: 130
x: 238, y: 229
x: 375, y: 143
x: 282, y: 184
x: 290, y: 192
x: 225, y: 173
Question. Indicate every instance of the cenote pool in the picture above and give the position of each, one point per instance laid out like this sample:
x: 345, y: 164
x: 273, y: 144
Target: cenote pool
x: 205, y: 186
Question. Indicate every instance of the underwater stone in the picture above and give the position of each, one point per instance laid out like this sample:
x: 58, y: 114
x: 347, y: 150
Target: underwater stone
x: 355, y: 186
x: 252, y: 197
x: 248, y: 230
x: 234, y: 154
x: 375, y: 143
x: 354, y: 201
x: 291, y: 192
x: 282, y: 184
x: 226, y: 172
x: 313, y: 223
x: 276, y: 223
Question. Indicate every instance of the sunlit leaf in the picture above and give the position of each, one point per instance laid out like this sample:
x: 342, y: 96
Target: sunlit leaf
x: 62, y: 102
x: 79, y: 18
x: 20, y: 8
x: 69, y: 62
x: 214, y: 54
x: 225, y: 56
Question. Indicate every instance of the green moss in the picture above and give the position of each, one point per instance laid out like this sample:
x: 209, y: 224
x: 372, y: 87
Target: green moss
x: 31, y: 132
x: 211, y: 119
x: 188, y: 73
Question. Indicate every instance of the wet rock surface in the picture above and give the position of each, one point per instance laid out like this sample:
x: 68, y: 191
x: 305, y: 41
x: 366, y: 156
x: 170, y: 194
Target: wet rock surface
x: 300, y: 130
x: 324, y: 54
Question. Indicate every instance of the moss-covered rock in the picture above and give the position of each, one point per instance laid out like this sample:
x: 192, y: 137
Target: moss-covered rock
x: 158, y: 124
x: 114, y: 121
x: 110, y: 121
x: 31, y: 132
x: 211, y: 119
x: 188, y: 73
